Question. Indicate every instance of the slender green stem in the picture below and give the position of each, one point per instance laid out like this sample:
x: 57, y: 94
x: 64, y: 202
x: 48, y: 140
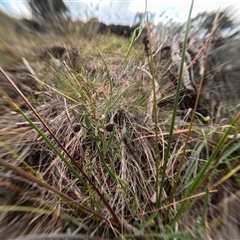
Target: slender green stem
x: 204, y: 169
x: 179, y: 84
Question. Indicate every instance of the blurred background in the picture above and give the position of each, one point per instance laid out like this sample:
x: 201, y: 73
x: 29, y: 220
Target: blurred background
x: 122, y: 12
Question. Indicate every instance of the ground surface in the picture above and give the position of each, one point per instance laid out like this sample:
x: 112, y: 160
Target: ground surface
x: 93, y: 102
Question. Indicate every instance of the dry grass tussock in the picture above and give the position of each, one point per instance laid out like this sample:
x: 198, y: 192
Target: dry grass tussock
x: 94, y: 107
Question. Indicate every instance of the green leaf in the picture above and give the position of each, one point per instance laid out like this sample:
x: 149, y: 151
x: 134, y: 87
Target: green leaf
x: 93, y: 122
x: 205, y: 119
x: 83, y: 107
x: 74, y: 113
x: 87, y: 122
x: 96, y: 139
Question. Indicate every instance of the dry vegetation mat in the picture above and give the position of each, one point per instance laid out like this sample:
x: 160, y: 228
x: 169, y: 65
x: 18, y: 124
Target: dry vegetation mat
x: 88, y: 148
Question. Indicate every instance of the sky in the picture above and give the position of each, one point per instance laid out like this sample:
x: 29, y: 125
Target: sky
x: 123, y: 11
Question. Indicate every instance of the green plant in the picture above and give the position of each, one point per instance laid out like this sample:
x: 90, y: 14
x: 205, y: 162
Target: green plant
x: 105, y: 152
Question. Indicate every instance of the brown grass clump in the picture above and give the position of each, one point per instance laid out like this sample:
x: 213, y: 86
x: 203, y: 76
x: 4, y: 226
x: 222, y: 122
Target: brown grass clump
x: 86, y: 165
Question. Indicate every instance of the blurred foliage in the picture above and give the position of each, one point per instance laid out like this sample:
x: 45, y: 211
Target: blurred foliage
x: 48, y: 10
x: 206, y: 21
